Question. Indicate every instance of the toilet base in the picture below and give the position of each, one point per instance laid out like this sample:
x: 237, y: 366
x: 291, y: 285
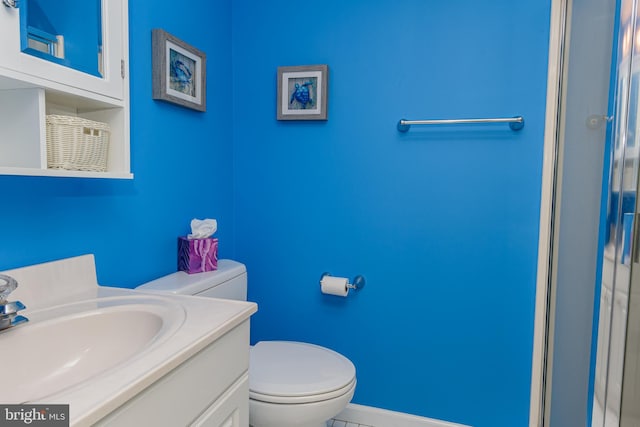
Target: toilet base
x: 314, y: 414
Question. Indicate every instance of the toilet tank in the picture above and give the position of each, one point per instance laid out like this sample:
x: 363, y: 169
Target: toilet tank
x: 229, y: 281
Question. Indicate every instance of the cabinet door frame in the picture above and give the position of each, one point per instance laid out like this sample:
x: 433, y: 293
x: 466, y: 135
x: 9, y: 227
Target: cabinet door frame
x: 50, y: 74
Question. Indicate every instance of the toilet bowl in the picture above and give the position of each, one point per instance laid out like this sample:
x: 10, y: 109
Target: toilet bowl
x: 291, y: 384
x: 295, y: 384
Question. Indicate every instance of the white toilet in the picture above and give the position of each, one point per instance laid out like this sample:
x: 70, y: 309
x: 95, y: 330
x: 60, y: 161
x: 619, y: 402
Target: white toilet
x: 291, y: 384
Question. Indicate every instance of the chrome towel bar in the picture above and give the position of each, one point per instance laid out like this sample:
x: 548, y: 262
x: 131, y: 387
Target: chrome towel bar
x: 515, y: 123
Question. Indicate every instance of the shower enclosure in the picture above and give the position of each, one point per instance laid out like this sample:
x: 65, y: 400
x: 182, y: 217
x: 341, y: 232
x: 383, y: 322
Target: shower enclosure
x: 592, y: 374
x: 615, y: 380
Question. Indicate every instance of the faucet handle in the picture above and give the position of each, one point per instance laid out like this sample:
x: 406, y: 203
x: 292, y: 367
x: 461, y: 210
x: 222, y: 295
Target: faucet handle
x: 7, y: 285
x: 11, y: 308
x: 11, y: 320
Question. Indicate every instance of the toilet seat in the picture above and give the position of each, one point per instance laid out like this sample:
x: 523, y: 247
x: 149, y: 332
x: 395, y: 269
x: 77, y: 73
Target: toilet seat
x: 303, y: 399
x: 295, y: 372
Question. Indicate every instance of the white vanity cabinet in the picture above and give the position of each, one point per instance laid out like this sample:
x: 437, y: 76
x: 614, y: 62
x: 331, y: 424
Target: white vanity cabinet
x: 211, y: 389
x: 32, y: 87
x: 138, y: 358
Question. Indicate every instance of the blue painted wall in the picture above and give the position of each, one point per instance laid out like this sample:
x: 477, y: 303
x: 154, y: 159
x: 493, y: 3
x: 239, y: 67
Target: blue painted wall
x: 443, y: 222
x: 182, y: 161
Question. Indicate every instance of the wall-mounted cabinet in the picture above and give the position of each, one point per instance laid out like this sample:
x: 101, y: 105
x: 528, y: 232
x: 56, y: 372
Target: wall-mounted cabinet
x: 36, y: 82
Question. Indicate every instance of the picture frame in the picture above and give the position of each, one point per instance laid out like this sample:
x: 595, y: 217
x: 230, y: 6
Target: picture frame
x: 179, y: 71
x: 303, y: 92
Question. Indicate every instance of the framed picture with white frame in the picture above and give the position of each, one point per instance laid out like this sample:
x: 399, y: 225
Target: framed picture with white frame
x: 179, y: 71
x: 302, y: 92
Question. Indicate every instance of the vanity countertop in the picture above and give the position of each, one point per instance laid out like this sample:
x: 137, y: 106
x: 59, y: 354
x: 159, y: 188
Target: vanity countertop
x: 188, y: 325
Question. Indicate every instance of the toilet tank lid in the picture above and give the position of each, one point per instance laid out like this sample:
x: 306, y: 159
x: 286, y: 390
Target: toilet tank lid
x: 191, y: 284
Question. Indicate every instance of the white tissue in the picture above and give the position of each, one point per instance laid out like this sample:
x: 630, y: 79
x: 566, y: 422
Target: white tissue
x: 202, y: 228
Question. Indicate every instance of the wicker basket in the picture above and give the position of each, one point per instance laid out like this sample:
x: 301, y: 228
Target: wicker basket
x: 74, y: 143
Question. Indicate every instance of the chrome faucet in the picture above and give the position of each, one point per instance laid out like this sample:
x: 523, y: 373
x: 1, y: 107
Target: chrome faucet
x: 9, y: 310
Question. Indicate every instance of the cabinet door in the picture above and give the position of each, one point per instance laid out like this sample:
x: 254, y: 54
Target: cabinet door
x: 230, y: 410
x: 31, y: 69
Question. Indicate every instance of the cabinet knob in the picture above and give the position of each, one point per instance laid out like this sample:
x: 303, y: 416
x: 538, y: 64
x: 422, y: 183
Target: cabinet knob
x: 11, y: 3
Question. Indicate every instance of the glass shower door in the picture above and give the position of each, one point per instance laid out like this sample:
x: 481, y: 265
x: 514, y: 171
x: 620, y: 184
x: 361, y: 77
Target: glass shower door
x: 619, y: 250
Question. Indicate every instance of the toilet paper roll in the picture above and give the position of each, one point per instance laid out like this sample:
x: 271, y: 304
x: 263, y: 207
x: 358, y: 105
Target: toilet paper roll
x: 334, y: 286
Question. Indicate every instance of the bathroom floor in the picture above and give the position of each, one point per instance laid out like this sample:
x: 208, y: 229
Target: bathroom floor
x: 342, y: 423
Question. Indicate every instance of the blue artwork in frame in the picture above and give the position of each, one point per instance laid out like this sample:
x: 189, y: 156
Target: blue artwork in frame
x: 182, y: 72
x: 179, y: 71
x: 302, y: 92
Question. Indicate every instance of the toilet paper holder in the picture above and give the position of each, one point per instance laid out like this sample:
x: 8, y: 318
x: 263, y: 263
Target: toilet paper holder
x: 358, y: 281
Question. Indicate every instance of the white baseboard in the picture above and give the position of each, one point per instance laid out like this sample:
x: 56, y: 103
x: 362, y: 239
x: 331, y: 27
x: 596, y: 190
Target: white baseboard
x: 377, y: 417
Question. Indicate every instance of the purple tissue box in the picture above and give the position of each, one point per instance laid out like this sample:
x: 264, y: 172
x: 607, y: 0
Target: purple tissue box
x: 197, y: 255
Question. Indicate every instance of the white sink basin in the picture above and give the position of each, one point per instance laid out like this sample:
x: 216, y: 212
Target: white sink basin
x: 64, y: 346
x: 97, y: 348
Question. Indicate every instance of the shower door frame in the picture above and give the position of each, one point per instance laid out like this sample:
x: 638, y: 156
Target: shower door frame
x: 558, y: 85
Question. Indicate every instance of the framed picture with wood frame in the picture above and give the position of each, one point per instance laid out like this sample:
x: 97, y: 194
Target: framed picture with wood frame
x: 302, y: 92
x: 179, y: 71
